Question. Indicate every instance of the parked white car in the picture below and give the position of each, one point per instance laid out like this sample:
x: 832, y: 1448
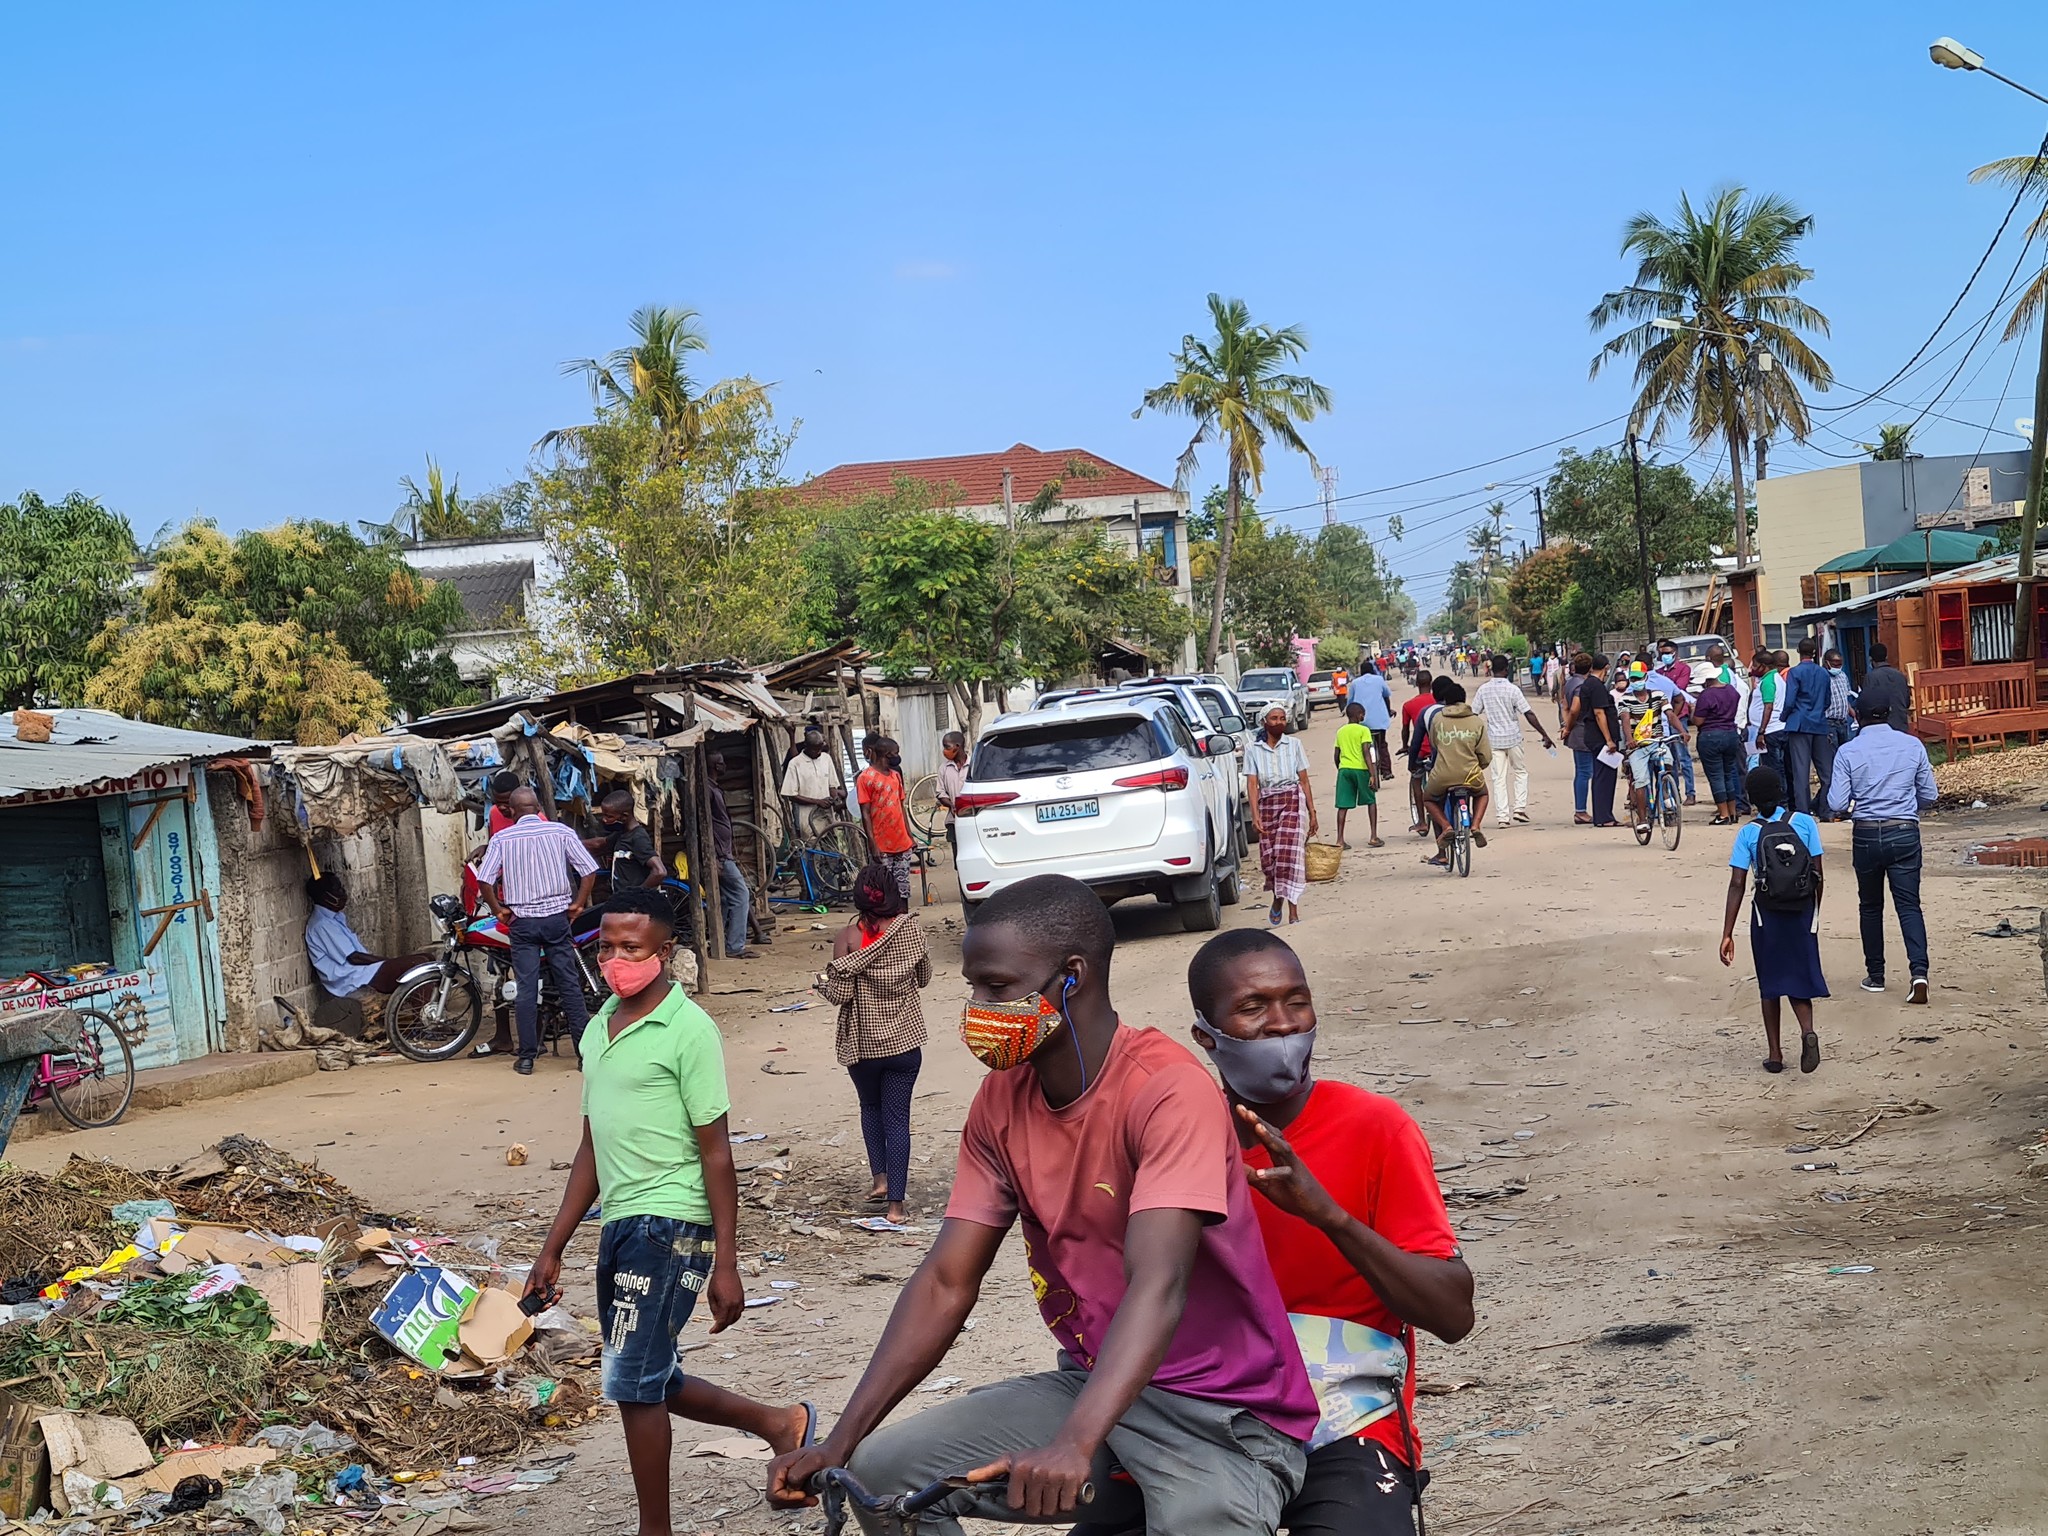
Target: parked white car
x: 1208, y: 707
x: 1261, y: 689
x: 1114, y: 790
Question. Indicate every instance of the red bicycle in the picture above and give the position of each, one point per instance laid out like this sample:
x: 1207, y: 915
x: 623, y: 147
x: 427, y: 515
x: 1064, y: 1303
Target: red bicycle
x: 92, y: 1083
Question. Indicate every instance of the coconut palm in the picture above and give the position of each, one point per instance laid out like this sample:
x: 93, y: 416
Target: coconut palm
x: 1733, y: 366
x: 2019, y: 171
x: 1894, y: 442
x: 653, y: 375
x: 1231, y: 386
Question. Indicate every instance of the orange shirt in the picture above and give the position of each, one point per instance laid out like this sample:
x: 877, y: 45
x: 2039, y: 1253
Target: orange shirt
x: 882, y: 793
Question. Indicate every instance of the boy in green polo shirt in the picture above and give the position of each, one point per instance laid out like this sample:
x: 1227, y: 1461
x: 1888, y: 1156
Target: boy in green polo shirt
x: 655, y: 1149
x: 1357, y: 776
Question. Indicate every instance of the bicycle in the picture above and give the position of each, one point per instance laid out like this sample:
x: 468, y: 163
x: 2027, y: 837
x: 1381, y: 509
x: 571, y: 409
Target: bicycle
x: 1458, y: 812
x: 811, y: 871
x: 1663, y: 808
x: 896, y: 1514
x: 93, y: 1084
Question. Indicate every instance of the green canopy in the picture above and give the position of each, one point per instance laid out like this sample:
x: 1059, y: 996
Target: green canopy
x: 1942, y: 549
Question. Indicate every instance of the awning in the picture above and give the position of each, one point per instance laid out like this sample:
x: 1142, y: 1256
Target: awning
x: 1942, y: 548
x: 91, y: 746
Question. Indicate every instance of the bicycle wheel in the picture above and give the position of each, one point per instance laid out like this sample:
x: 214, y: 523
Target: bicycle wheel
x: 847, y: 839
x: 1667, y: 792
x: 433, y: 1018
x: 921, y: 805
x: 100, y: 1073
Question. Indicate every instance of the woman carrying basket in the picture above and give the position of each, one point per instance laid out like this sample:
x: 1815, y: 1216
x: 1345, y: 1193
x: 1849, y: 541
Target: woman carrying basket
x: 1276, y: 779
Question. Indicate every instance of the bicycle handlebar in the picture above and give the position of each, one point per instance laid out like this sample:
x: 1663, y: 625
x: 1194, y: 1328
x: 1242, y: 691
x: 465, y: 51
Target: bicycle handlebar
x: 840, y: 1481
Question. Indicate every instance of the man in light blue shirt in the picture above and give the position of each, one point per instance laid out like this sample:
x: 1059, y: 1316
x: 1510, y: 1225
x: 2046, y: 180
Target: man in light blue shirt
x: 1808, y: 744
x: 344, y: 966
x: 1369, y: 691
x: 1883, y: 781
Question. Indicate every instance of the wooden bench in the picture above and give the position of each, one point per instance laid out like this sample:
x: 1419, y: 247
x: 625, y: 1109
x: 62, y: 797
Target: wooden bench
x: 1967, y: 707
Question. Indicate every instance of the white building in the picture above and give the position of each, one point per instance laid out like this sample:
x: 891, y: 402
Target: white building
x: 498, y: 580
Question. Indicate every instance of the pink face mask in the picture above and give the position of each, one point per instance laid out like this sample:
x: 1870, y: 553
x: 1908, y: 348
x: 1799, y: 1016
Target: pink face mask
x: 629, y: 978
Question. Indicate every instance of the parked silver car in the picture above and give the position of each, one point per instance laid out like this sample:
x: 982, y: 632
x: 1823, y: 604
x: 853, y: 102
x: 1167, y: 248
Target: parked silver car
x: 1264, y: 687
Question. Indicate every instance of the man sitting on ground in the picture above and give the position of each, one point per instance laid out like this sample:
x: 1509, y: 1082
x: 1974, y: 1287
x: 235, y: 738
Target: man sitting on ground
x: 342, y: 961
x: 1176, y: 1355
x: 1354, y: 1225
x: 1458, y: 755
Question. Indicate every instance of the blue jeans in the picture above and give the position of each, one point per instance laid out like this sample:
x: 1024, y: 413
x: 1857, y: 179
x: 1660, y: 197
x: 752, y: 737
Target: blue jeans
x: 1721, y: 756
x: 1889, y: 851
x: 1583, y: 764
x: 737, y: 902
x: 534, y: 939
x: 1682, y: 750
x: 650, y: 1271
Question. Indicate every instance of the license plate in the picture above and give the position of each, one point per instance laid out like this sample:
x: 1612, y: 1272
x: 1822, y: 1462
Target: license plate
x: 1069, y: 810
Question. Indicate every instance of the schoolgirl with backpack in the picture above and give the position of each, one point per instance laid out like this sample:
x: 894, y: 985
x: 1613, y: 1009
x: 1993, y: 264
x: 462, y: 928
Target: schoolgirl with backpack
x: 1777, y: 862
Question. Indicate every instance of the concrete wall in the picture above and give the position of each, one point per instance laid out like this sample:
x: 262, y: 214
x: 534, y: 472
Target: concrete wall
x: 1802, y: 522
x: 261, y: 905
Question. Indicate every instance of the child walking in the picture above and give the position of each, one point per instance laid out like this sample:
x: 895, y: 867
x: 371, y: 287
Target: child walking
x: 1358, y: 779
x: 655, y: 1148
x: 1781, y: 856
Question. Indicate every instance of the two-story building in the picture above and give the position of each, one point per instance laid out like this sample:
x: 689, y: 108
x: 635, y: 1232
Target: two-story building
x: 1149, y: 519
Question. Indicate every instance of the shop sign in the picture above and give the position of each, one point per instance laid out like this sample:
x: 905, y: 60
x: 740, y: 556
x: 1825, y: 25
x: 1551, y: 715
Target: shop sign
x: 164, y: 776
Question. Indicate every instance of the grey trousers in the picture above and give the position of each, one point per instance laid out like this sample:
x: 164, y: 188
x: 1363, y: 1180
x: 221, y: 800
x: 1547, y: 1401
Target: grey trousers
x: 1205, y: 1469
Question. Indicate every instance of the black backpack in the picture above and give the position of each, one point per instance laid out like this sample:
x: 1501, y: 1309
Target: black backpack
x: 1785, y: 877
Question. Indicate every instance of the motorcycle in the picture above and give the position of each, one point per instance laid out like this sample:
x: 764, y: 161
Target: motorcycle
x: 438, y: 1006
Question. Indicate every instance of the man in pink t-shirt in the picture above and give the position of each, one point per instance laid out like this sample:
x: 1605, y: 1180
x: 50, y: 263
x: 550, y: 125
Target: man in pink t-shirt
x: 1114, y: 1150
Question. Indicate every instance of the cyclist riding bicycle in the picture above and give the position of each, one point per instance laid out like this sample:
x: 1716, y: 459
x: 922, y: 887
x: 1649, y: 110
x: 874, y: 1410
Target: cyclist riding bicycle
x: 1652, y: 725
x: 1459, y: 753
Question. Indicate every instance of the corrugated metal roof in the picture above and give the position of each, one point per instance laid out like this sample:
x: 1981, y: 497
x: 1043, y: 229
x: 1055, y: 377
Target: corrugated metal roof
x: 89, y: 745
x: 1995, y: 568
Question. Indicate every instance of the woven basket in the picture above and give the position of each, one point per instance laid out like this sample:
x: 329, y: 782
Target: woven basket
x: 1323, y: 860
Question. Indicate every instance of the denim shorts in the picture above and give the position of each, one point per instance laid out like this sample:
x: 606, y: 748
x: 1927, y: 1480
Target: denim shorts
x: 650, y: 1270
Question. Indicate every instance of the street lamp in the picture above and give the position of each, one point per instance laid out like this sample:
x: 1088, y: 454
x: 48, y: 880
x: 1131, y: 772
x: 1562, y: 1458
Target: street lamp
x: 1950, y: 54
x: 1764, y: 361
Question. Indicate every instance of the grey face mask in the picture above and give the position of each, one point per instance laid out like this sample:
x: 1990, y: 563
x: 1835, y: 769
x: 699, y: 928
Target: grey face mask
x: 1262, y: 1071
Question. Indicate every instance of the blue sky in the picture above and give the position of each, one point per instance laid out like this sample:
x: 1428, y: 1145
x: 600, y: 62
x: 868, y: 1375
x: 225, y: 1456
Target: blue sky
x: 262, y: 262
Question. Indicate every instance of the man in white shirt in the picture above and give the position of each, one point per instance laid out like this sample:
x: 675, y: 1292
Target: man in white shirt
x: 811, y: 785
x: 1504, y: 706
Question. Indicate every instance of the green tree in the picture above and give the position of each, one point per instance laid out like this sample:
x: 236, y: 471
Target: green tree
x: 665, y: 560
x: 1362, y: 598
x: 1590, y: 505
x: 653, y: 376
x: 1537, y: 588
x: 1725, y: 276
x: 1233, y: 388
x: 439, y: 510
x: 64, y: 566
x: 1894, y: 442
x: 980, y: 605
x: 335, y: 603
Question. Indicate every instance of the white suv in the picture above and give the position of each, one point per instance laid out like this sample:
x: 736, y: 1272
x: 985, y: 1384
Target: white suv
x: 1117, y: 792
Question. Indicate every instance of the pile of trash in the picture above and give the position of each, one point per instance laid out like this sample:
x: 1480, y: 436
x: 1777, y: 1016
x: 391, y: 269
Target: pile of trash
x: 2017, y: 773
x: 243, y: 1318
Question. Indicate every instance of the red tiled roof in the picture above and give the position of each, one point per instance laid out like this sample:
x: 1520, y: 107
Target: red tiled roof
x: 977, y: 478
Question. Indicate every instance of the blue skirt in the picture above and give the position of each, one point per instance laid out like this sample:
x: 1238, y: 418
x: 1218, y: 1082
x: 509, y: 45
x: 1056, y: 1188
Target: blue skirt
x: 1787, y: 953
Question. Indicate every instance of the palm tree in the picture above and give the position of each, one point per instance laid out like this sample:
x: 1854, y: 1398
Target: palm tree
x: 2018, y: 171
x: 1232, y: 388
x: 654, y: 375
x: 1894, y: 441
x: 1728, y: 358
x: 1487, y: 543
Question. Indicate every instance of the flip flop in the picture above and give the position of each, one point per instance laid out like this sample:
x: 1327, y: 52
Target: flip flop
x: 1581, y: 819
x: 1774, y: 1066
x: 1376, y: 843
x: 1809, y: 1051
x: 1273, y: 917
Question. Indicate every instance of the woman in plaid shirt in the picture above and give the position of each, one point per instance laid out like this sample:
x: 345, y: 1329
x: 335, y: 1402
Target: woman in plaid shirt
x: 879, y: 963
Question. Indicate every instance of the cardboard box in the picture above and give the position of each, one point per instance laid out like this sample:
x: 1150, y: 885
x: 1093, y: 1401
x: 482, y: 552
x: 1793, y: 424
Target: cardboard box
x: 224, y: 1463
x: 422, y: 1314
x: 24, y: 1459
x: 97, y: 1448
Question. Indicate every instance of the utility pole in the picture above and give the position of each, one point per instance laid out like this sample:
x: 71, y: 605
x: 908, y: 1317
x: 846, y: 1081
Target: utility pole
x: 1328, y: 476
x: 1635, y: 467
x: 1542, y: 539
x: 2030, y: 515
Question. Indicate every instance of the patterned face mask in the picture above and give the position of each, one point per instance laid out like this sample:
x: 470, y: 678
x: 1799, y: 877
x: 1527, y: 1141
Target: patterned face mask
x: 1004, y: 1035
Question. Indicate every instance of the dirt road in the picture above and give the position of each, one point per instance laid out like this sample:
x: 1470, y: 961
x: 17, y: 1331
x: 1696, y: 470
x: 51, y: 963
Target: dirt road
x: 1854, y: 1347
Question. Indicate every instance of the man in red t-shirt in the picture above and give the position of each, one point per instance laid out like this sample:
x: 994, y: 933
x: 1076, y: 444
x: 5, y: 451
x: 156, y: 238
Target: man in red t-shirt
x: 1354, y: 1225
x: 1109, y: 1146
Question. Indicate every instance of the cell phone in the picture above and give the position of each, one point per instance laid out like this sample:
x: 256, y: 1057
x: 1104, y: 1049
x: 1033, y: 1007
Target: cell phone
x: 533, y: 1303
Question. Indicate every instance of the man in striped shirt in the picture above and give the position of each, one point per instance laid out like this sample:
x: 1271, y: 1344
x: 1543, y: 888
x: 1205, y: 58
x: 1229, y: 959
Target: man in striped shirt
x: 530, y: 876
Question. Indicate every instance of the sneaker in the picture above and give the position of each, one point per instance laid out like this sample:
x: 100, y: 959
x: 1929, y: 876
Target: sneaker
x: 1873, y: 983
x: 1916, y: 990
x: 1522, y: 818
x: 523, y: 1066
